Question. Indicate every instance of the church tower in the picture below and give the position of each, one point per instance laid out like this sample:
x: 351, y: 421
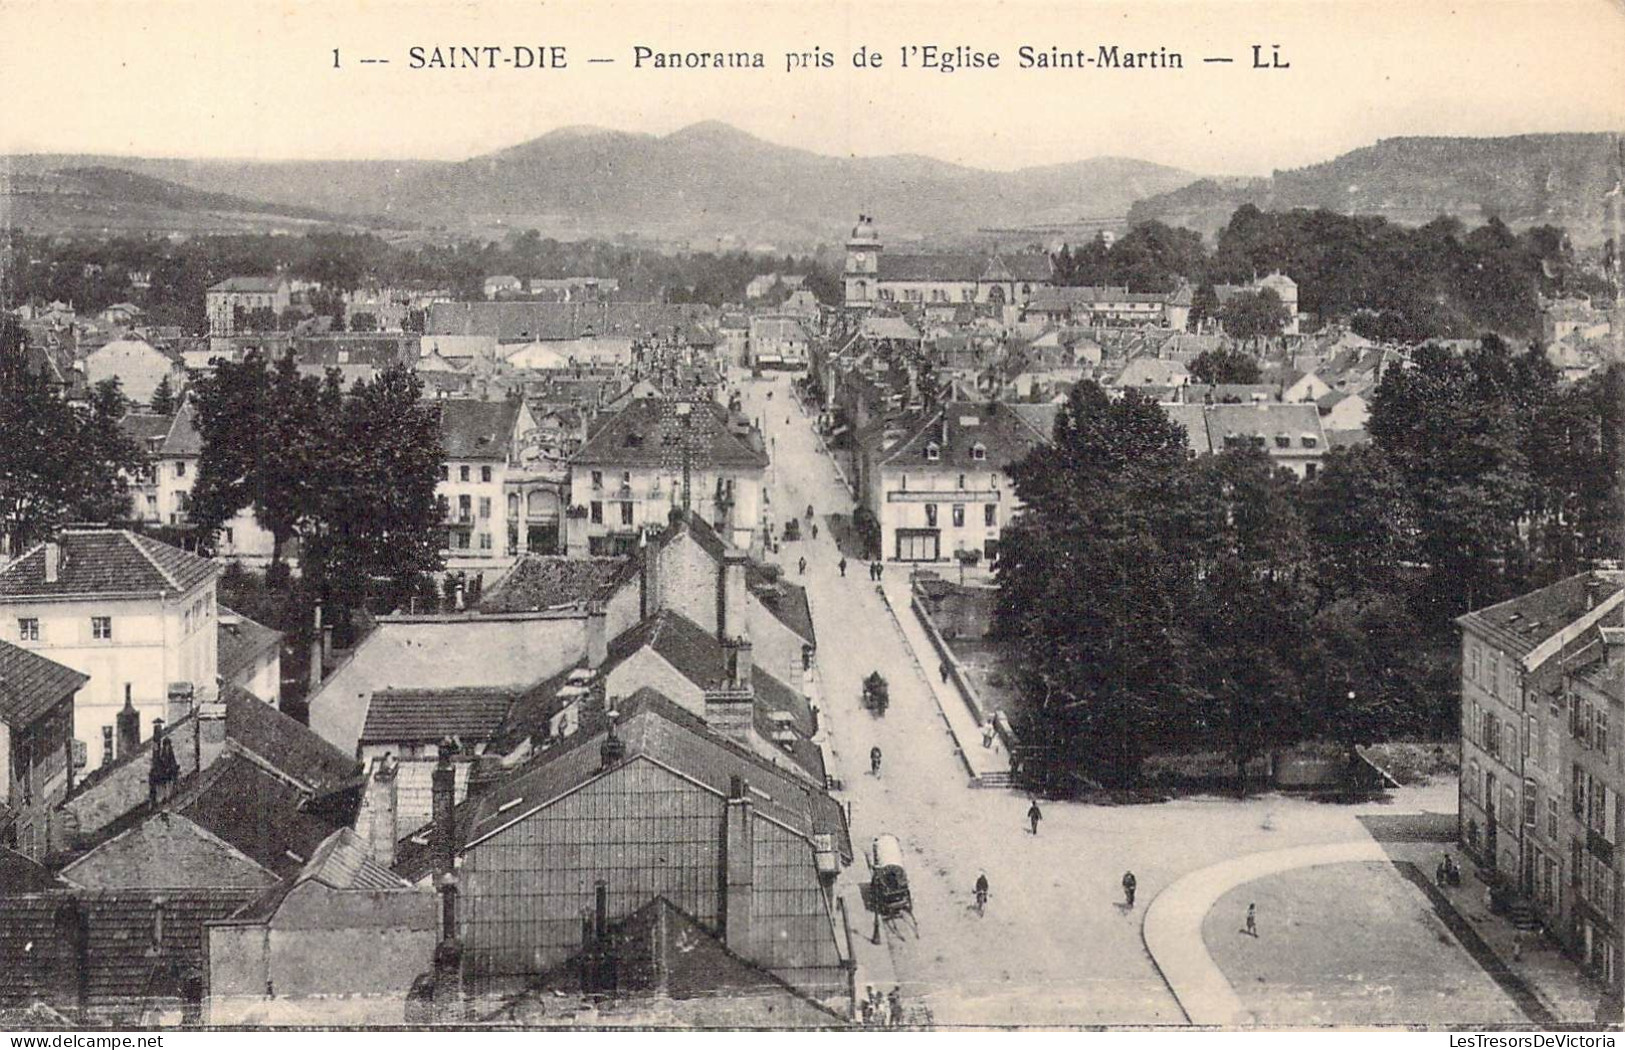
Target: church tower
x: 862, y: 264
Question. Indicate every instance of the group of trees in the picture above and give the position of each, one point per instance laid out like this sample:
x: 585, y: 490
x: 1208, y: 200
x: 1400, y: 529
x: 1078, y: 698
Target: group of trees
x: 348, y: 474
x: 1219, y: 603
x: 93, y: 273
x: 58, y: 463
x: 1390, y: 281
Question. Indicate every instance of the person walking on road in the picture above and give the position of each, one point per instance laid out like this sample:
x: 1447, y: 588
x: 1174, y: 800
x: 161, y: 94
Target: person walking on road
x: 1252, y: 920
x: 1034, y: 815
x: 1129, y: 883
x: 981, y: 892
x: 943, y: 670
x: 894, y: 1000
x: 801, y: 566
x: 842, y: 566
x: 988, y: 733
x: 874, y: 760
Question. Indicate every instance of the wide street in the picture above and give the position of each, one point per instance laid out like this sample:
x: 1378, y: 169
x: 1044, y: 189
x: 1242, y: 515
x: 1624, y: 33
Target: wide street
x: 1056, y: 946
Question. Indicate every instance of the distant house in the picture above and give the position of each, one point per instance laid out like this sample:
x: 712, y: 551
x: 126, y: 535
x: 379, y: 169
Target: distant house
x: 479, y: 441
x: 1291, y: 434
x: 250, y: 656
x: 1147, y: 371
x: 137, y: 365
x: 166, y: 490
x: 1343, y: 410
x: 1111, y: 307
x: 503, y: 284
x: 874, y: 276
x: 223, y: 300
x: 777, y: 342
x: 37, y: 749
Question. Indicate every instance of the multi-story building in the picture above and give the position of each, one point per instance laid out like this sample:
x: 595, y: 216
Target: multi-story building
x: 874, y: 276
x: 633, y: 470
x: 161, y: 491
x: 133, y: 614
x: 37, y: 752
x: 944, y: 488
x: 1540, y: 770
x: 248, y: 294
x: 1291, y: 435
x: 1112, y: 307
x: 479, y: 440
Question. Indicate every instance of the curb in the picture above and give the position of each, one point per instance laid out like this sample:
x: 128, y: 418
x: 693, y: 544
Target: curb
x: 914, y: 657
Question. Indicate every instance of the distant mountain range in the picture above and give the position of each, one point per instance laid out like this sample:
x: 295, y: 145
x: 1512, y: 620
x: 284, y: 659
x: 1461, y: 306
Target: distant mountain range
x: 713, y: 185
x: 1525, y: 180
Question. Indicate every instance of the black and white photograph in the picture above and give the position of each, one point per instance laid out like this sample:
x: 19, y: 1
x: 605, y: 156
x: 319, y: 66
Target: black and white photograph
x: 828, y: 516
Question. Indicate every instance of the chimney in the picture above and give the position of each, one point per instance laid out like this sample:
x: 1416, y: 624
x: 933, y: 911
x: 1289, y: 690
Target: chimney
x: 129, y: 726
x: 181, y: 696
x: 1593, y: 591
x: 613, y: 749
x: 443, y: 800
x: 731, y: 612
x: 211, y: 733
x: 1613, y: 645
x: 739, y: 665
x: 597, y: 635
x: 53, y: 562
x: 650, y: 593
x: 316, y: 650
x: 376, y: 821
x: 327, y: 643
x: 738, y: 849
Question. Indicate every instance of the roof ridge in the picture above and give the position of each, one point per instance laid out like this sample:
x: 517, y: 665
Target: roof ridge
x: 135, y: 541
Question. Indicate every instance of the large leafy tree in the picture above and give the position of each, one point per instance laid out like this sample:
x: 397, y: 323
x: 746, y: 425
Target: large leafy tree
x: 1225, y: 365
x: 1251, y: 316
x: 1361, y: 524
x: 57, y: 463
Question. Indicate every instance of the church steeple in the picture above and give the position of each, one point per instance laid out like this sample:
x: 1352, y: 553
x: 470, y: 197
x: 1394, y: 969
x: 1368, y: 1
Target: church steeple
x: 862, y: 263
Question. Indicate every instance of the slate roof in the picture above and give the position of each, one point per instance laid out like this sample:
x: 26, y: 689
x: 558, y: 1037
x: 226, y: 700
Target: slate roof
x: 1521, y: 624
x: 786, y: 601
x: 127, y: 972
x: 30, y: 685
x: 1004, y: 438
x: 283, y: 742
x: 1070, y: 297
x: 476, y: 429
x: 648, y: 434
x: 684, y: 644
x: 653, y: 726
x: 19, y: 875
x: 101, y: 562
x: 964, y: 266
x: 428, y: 715
x: 527, y: 322
x: 183, y: 438
x: 540, y: 582
x: 246, y: 284
x: 147, y: 429
x: 257, y: 812
x: 1039, y: 417
x: 240, y: 641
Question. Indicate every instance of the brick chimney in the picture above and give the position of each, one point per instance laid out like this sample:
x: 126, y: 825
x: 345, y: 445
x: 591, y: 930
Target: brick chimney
x: 649, y: 592
x: 730, y: 706
x: 738, y: 849
x: 597, y: 635
x: 376, y: 820
x: 53, y: 562
x: 731, y: 615
x: 739, y: 664
x: 211, y: 733
x: 181, y: 700
x: 129, y: 726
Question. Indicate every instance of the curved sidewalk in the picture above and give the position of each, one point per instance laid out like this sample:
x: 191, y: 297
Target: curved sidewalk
x: 1173, y: 925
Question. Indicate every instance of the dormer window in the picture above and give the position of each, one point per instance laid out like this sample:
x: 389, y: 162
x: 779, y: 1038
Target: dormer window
x: 978, y: 451
x: 933, y: 452
x: 1310, y: 441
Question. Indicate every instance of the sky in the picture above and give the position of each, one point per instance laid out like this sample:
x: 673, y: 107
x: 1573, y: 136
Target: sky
x: 255, y: 78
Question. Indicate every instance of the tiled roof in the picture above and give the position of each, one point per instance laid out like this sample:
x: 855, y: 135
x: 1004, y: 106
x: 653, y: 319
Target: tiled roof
x: 146, y: 429
x: 105, y: 562
x: 476, y: 429
x: 30, y: 685
x: 647, y: 433
x: 246, y: 284
x: 427, y: 715
x: 540, y: 582
x: 279, y: 740
x: 241, y: 641
x: 1521, y: 624
x: 341, y: 862
x: 19, y: 875
x: 183, y: 438
x: 786, y: 601
x: 1039, y: 417
x: 128, y: 969
x: 898, y: 266
x: 689, y: 648
x: 1069, y: 297
x: 1003, y: 437
x: 529, y: 321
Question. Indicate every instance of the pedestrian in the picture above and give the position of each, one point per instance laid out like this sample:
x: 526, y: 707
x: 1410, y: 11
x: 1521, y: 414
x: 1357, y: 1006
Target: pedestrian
x: 1129, y: 883
x: 981, y: 891
x: 842, y: 565
x: 880, y: 570
x: 801, y: 566
x: 1440, y: 875
x: 1517, y: 946
x: 942, y: 669
x: 987, y: 733
x: 1252, y: 920
x: 815, y: 531
x: 894, y: 999
x: 1034, y: 815
x: 874, y: 760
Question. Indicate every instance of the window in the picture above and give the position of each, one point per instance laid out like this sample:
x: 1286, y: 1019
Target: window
x: 1283, y: 441
x: 978, y: 451
x: 101, y: 627
x: 485, y: 473
x: 1600, y: 729
x: 931, y: 515
x: 1495, y: 672
x: 461, y: 540
x: 597, y: 479
x: 1310, y: 470
x: 626, y: 479
x: 1472, y: 779
x: 1531, y: 802
x: 485, y: 506
x: 961, y: 481
x: 1472, y: 662
x: 462, y: 473
x: 959, y: 515
x: 597, y: 510
x: 990, y: 514
x: 1528, y: 736
x: 465, y: 507
x: 1577, y: 794
x: 626, y: 512
x: 485, y: 541
x: 107, y: 745
x: 28, y: 629
x: 445, y: 472
x: 180, y: 468
x: 1551, y: 818
x: 932, y: 452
